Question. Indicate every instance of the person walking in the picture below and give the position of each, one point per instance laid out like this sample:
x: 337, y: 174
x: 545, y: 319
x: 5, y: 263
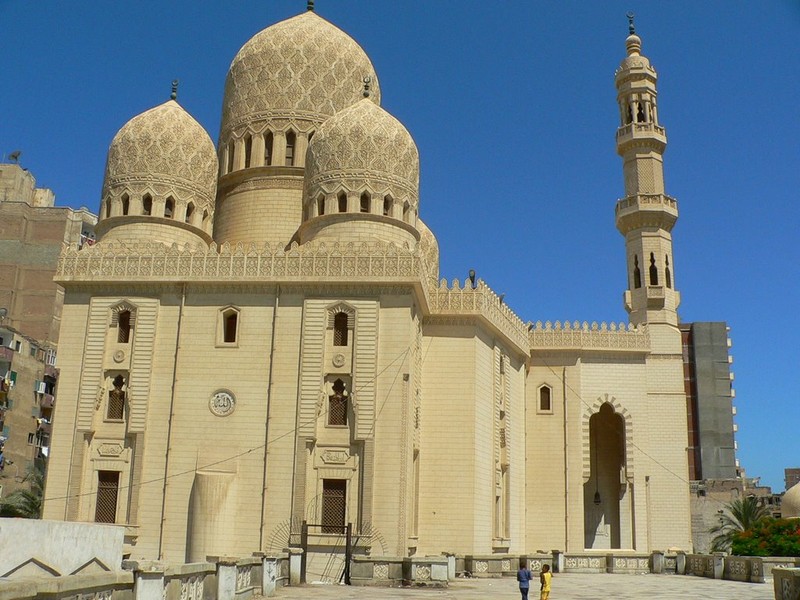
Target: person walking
x: 544, y: 578
x: 524, y: 577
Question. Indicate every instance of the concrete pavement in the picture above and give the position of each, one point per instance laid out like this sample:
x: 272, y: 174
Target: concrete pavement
x: 566, y: 586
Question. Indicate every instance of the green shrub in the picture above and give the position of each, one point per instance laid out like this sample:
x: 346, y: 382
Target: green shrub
x: 768, y: 537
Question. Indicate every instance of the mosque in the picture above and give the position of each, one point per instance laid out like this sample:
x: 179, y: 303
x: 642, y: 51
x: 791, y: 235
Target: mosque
x: 260, y: 337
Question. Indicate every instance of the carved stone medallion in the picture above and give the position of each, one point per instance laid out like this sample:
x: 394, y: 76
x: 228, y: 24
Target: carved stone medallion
x: 222, y: 403
x: 119, y: 356
x: 338, y: 360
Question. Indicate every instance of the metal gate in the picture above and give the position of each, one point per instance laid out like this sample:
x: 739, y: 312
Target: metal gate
x: 343, y: 530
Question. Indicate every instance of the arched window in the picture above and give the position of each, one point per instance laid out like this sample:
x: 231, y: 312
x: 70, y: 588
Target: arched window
x: 653, y: 270
x: 629, y: 115
x: 147, y: 204
x: 667, y: 274
x: 637, y: 273
x: 169, y: 207
x: 321, y: 205
x: 248, y: 150
x: 365, y: 202
x: 406, y: 212
x: 387, y: 206
x: 115, y: 411
x: 337, y: 404
x: 205, y: 218
x: 108, y: 208
x: 230, y: 156
x: 342, y: 200
x: 290, y: 142
x: 545, y: 399
x: 340, y: 329
x: 126, y: 204
x: 189, y: 212
x: 640, y: 113
x: 230, y: 326
x: 124, y: 327
x: 268, y: 149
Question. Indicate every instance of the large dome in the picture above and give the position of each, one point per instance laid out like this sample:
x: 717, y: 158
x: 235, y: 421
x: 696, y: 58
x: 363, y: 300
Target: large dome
x: 303, y: 67
x: 364, y: 147
x: 163, y: 146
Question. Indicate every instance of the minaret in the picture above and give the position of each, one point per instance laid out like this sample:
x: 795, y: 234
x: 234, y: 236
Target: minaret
x: 646, y: 215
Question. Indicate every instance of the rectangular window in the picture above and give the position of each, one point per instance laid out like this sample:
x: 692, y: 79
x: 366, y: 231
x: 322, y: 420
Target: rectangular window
x: 107, y: 491
x: 334, y: 498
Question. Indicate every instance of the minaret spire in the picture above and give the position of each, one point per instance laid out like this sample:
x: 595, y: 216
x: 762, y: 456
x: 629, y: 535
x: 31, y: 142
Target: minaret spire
x: 646, y: 215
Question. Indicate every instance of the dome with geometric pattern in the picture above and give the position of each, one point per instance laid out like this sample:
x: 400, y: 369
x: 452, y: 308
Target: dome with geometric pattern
x: 161, y: 170
x: 164, y: 150
x: 303, y: 67
x: 364, y: 148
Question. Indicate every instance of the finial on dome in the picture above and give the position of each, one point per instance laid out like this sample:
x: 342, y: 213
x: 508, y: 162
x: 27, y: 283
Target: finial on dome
x: 631, y: 28
x: 310, y: 5
x: 367, y: 81
x: 633, y: 43
x: 174, y: 94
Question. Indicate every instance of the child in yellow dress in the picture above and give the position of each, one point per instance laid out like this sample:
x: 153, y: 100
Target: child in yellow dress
x: 545, y: 578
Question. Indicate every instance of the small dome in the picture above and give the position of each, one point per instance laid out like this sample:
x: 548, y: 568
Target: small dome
x: 163, y: 146
x: 161, y: 170
x: 364, y: 147
x: 790, y: 503
x: 303, y: 67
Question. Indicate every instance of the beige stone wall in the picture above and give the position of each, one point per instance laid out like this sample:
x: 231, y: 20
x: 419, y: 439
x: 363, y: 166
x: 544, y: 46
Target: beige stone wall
x: 266, y: 208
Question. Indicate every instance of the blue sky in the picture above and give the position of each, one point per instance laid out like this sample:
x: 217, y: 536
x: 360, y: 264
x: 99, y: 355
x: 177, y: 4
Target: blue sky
x: 512, y: 105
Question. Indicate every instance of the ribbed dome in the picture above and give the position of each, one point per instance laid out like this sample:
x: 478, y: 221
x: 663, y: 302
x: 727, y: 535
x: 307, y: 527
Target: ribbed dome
x: 790, y: 503
x: 363, y: 147
x: 303, y: 67
x: 166, y: 151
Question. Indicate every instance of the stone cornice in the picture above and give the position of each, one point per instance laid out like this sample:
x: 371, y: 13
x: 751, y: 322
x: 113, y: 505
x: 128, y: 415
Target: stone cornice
x: 319, y: 268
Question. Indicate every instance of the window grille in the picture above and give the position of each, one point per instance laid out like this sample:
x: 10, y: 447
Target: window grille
x: 337, y: 404
x: 334, y: 505
x: 340, y: 329
x: 116, y: 400
x: 107, y: 491
x: 124, y: 327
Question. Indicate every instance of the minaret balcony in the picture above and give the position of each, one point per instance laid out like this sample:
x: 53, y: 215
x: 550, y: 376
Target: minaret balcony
x: 641, y: 132
x: 646, y: 210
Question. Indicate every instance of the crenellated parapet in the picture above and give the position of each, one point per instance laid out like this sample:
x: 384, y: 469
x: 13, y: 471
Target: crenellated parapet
x: 478, y: 301
x: 583, y: 336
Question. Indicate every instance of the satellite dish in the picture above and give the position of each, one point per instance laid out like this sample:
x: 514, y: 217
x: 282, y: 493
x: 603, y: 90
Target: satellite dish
x: 14, y: 156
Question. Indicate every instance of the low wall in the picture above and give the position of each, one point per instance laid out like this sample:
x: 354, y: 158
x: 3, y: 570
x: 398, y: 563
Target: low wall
x: 786, y: 583
x: 429, y: 571
x: 224, y: 578
x: 779, y: 562
x: 38, y: 548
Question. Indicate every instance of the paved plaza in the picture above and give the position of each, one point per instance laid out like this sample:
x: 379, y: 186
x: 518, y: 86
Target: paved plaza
x: 567, y: 586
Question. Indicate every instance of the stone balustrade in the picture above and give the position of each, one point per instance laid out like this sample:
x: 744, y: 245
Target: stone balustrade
x: 229, y: 578
x: 223, y: 578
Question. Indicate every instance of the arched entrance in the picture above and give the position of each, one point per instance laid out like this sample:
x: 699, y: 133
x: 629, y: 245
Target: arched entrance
x: 607, y: 496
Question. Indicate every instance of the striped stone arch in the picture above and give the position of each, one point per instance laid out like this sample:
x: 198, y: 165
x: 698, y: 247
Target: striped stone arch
x: 122, y: 307
x: 342, y: 307
x: 588, y: 411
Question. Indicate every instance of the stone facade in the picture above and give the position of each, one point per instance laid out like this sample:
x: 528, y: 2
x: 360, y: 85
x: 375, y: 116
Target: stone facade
x: 306, y: 363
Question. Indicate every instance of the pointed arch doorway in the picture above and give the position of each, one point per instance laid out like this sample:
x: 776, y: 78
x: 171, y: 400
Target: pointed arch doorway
x: 607, y: 494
